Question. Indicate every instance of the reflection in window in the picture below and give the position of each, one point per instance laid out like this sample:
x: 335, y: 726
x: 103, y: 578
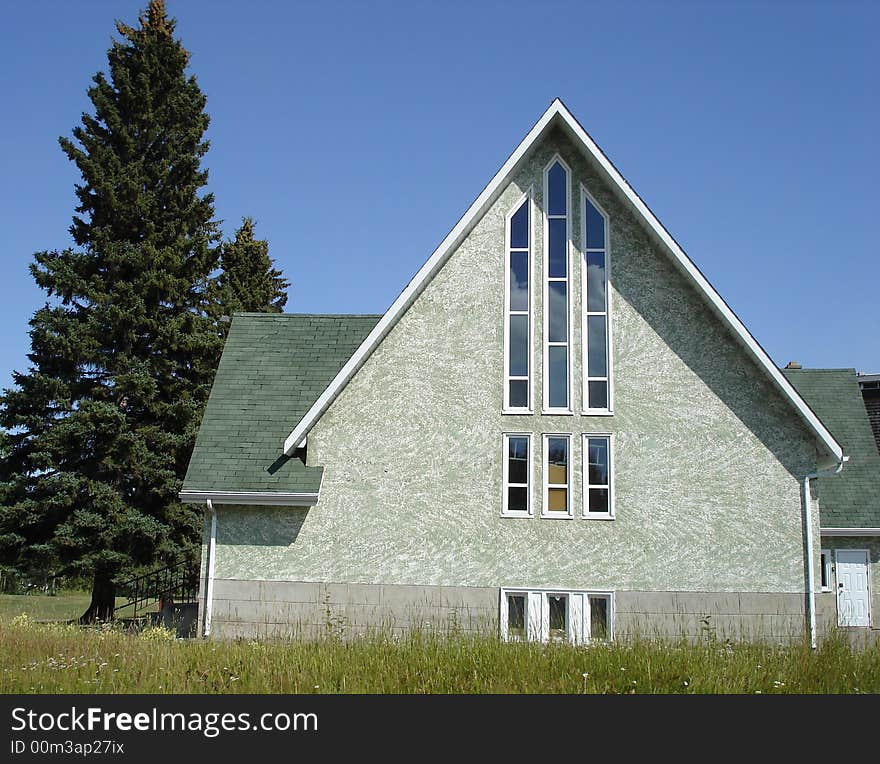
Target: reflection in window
x: 556, y: 474
x: 596, y: 360
x: 516, y: 616
x: 556, y: 329
x: 517, y: 471
x: 517, y: 328
x: 597, y: 476
x: 599, y: 618
x: 557, y: 606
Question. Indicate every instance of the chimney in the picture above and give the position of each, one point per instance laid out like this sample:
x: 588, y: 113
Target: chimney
x: 793, y: 365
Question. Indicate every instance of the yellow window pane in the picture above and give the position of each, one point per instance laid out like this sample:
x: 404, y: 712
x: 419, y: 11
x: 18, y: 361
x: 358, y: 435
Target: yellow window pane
x: 557, y: 499
x: 558, y: 474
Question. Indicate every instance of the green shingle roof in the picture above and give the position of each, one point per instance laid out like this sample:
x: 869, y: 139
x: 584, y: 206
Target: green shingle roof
x: 273, y: 368
x: 852, y: 498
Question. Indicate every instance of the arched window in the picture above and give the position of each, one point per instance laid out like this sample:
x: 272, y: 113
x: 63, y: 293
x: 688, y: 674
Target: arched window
x: 518, y: 309
x: 595, y: 328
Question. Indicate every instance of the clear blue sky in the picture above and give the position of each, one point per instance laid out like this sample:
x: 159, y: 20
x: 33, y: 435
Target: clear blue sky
x: 358, y: 133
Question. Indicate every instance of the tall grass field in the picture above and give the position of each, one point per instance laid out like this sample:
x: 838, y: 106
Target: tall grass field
x: 64, y: 658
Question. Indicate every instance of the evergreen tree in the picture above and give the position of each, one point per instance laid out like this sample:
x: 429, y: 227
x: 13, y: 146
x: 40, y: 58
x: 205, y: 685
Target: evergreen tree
x: 123, y: 353
x: 249, y: 280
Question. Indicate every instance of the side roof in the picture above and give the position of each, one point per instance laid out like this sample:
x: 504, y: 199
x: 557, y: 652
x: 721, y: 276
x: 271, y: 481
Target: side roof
x: 852, y: 498
x: 558, y: 115
x: 270, y: 363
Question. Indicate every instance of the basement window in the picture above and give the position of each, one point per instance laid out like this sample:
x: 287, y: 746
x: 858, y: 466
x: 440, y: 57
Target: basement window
x: 543, y: 615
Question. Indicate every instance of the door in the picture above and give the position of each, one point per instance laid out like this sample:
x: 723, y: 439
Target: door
x: 853, y: 598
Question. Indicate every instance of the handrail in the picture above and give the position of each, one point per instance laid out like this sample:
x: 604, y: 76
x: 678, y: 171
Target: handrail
x: 178, y: 581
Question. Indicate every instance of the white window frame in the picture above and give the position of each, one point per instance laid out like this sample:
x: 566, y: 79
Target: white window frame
x: 545, y: 478
x: 826, y: 569
x: 585, y: 475
x: 545, y: 408
x: 506, y: 407
x: 504, y: 614
x: 537, y: 613
x: 585, y: 378
x: 505, y: 512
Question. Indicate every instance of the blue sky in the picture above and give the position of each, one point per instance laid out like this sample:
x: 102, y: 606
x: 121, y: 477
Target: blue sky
x: 358, y: 133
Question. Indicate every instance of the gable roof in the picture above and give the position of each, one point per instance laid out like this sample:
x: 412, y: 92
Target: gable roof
x: 270, y: 363
x: 558, y: 115
x: 852, y: 498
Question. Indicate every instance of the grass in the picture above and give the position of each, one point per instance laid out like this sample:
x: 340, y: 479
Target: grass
x: 54, y: 658
x: 64, y: 606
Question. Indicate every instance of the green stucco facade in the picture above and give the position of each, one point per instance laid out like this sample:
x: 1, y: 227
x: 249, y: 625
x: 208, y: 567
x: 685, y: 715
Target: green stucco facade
x: 708, y: 456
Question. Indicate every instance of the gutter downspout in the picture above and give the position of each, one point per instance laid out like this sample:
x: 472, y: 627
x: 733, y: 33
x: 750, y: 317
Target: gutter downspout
x: 209, y: 564
x: 808, y: 519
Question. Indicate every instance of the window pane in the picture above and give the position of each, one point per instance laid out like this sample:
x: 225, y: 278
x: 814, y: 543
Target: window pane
x: 516, y: 616
x: 599, y: 618
x: 557, y: 243
x: 558, y: 606
x: 823, y: 571
x: 556, y: 190
x: 517, y: 499
x: 558, y: 377
x: 598, y: 500
x: 518, y: 459
x: 557, y: 454
x: 557, y: 500
x: 519, y: 227
x: 557, y: 297
x: 519, y: 394
x: 596, y: 281
x: 519, y: 281
x: 519, y: 346
x: 595, y: 228
x: 596, y: 363
x: 598, y: 460
x: 598, y: 394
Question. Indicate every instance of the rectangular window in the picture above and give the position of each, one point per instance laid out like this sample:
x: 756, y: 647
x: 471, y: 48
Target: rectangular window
x: 557, y: 476
x: 517, y: 499
x: 518, y: 309
x: 549, y: 615
x: 596, y: 336
x: 557, y: 294
x: 598, y: 477
x: 825, y: 570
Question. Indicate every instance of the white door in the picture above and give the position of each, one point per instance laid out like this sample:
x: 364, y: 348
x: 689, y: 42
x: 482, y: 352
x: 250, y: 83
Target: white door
x: 853, y: 598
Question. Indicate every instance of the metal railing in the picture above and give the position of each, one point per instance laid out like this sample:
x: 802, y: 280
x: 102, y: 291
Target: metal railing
x: 177, y: 583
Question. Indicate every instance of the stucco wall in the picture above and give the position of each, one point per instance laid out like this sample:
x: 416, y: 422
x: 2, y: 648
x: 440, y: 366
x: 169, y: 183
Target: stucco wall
x: 707, y: 454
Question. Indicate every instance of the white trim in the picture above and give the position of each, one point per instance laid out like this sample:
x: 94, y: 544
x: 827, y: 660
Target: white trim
x: 585, y: 476
x: 545, y: 280
x: 867, y: 553
x: 505, y: 512
x: 585, y: 379
x: 262, y: 498
x: 849, y: 532
x: 212, y: 555
x: 506, y: 407
x: 558, y: 113
x: 825, y: 570
x: 545, y: 478
x: 537, y: 612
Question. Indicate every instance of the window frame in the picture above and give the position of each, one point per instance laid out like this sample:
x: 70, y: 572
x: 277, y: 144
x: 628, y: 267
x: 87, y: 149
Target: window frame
x: 825, y: 569
x: 506, y: 408
x: 585, y: 477
x: 505, y: 484
x: 567, y: 410
x: 545, y: 478
x: 585, y: 313
x: 578, y: 625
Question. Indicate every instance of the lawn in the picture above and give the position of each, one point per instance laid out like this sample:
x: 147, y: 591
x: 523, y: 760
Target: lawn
x: 49, y: 658
x: 65, y: 606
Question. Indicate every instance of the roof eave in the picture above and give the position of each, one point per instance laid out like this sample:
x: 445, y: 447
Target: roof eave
x: 258, y: 498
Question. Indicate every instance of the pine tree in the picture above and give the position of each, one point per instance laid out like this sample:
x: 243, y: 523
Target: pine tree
x: 102, y: 425
x: 249, y: 280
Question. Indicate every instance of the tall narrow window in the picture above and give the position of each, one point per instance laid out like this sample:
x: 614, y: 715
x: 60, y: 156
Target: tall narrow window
x: 597, y: 356
x: 517, y: 498
x: 557, y: 356
x: 557, y: 482
x: 598, y: 486
x: 518, y: 310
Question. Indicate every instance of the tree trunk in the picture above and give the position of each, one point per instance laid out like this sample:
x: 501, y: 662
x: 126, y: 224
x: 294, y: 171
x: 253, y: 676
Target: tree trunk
x: 103, y: 599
